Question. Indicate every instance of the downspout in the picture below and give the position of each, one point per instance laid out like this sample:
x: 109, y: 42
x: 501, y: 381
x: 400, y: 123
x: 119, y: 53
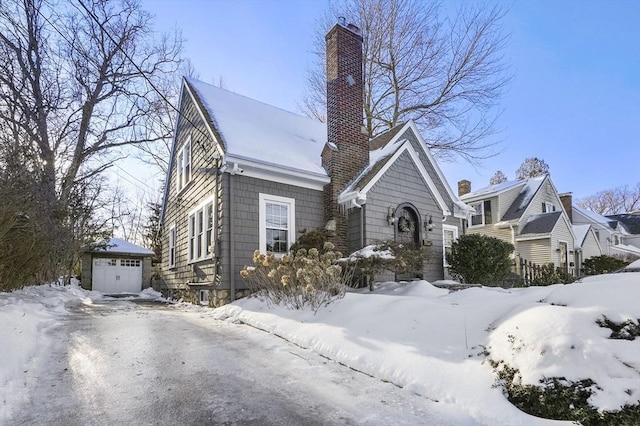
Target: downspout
x: 362, y: 226
x: 232, y: 244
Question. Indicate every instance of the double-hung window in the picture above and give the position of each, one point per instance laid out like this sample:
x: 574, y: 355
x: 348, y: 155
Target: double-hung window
x: 482, y: 215
x: 277, y: 223
x: 201, y: 232
x: 172, y: 247
x: 183, y: 165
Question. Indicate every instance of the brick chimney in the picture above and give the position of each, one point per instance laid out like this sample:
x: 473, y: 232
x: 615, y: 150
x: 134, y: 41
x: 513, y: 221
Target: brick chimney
x: 464, y: 187
x: 567, y: 201
x: 347, y: 151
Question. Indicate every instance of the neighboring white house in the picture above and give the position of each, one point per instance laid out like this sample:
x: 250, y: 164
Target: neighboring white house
x: 612, y: 235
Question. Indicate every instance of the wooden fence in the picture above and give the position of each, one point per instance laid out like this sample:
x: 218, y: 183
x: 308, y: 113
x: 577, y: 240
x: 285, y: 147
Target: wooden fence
x: 528, y: 270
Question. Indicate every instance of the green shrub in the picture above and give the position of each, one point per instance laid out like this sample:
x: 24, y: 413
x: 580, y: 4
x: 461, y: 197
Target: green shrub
x: 560, y: 399
x: 304, y: 279
x: 478, y: 259
x: 548, y: 274
x: 387, y: 256
x: 602, y: 265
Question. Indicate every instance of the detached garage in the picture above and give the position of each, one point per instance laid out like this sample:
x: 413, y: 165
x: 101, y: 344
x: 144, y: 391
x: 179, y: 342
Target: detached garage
x: 116, y: 266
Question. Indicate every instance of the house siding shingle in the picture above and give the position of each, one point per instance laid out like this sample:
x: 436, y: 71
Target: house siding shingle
x: 402, y: 184
x: 178, y: 206
x: 590, y: 246
x: 242, y: 219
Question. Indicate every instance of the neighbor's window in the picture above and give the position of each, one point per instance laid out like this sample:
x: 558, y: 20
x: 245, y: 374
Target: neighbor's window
x: 172, y: 247
x: 201, y: 231
x: 449, y: 235
x: 277, y: 223
x: 183, y: 165
x: 548, y: 207
x: 482, y: 215
x: 204, y: 297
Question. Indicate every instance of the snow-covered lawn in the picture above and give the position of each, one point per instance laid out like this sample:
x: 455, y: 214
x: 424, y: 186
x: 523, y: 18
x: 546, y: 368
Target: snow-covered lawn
x: 425, y: 339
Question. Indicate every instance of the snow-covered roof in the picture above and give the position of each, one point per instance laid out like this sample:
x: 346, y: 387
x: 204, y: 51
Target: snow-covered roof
x: 263, y: 133
x: 118, y: 246
x: 524, y: 198
x: 491, y: 190
x: 580, y: 232
x: 626, y: 249
x: 595, y: 217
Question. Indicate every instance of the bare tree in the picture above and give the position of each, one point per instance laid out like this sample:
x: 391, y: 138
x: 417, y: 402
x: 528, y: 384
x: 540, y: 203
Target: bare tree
x: 623, y: 199
x: 497, y: 178
x: 532, y: 167
x: 77, y: 84
x: 445, y: 74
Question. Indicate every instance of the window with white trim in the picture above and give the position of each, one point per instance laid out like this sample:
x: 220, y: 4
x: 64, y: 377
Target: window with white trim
x: 183, y: 165
x: 200, y: 232
x: 449, y: 235
x: 277, y: 223
x: 548, y: 207
x: 482, y: 214
x: 172, y: 247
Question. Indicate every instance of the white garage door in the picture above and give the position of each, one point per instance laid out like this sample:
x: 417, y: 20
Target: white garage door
x: 117, y: 275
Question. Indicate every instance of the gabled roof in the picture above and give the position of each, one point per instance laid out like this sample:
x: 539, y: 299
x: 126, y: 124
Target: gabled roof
x: 385, y: 149
x: 491, y: 191
x: 262, y: 133
x: 630, y: 221
x: 528, y: 189
x: 522, y: 201
x: 379, y: 162
x: 580, y: 232
x: 611, y: 224
x: 541, y: 223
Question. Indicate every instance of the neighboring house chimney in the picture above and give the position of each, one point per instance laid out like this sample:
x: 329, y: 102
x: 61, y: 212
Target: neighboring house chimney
x: 347, y: 151
x: 464, y: 187
x: 567, y: 202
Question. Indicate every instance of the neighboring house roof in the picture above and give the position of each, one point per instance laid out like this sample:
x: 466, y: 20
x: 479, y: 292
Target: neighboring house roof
x: 630, y: 221
x: 263, y: 133
x: 520, y: 204
x: 491, y: 191
x: 611, y: 224
x: 626, y: 249
x: 580, y: 232
x: 529, y: 188
x: 541, y: 223
x: 118, y: 246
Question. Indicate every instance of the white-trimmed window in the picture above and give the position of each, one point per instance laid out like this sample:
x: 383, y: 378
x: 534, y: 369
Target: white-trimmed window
x: 183, y: 165
x: 548, y: 207
x: 277, y: 223
x: 482, y: 215
x: 449, y: 235
x: 201, y: 232
x: 172, y: 247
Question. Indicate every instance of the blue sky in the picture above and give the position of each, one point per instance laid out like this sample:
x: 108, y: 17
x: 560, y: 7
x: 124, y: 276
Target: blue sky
x: 574, y: 101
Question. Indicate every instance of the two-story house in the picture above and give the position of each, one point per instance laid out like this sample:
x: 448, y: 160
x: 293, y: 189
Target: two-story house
x: 528, y: 214
x: 246, y: 176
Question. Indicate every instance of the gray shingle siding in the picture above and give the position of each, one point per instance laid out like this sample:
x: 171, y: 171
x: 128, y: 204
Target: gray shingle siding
x: 244, y: 217
x: 402, y: 184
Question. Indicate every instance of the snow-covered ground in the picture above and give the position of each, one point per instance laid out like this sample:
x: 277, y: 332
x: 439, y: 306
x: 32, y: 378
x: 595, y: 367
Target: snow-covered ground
x: 425, y: 339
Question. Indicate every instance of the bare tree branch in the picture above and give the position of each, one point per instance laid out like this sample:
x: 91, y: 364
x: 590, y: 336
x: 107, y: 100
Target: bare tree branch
x: 445, y: 74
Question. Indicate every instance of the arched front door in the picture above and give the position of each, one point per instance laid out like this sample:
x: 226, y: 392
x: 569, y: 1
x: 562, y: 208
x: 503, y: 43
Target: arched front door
x: 407, y: 233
